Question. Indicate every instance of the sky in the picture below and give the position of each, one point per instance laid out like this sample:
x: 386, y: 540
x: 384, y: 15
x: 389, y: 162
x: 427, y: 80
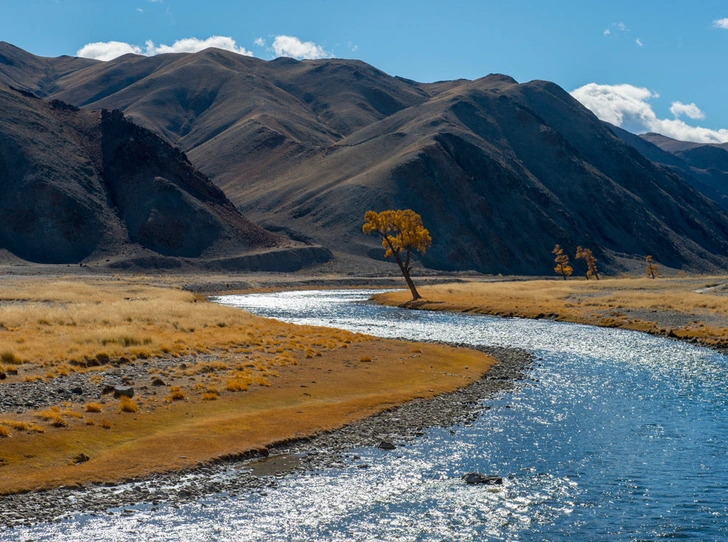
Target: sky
x: 645, y: 65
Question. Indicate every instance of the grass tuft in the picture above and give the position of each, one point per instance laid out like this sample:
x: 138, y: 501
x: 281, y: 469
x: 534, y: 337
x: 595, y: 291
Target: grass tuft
x: 176, y: 394
x: 93, y: 407
x: 4, y: 432
x: 10, y: 358
x: 236, y: 384
x: 127, y: 405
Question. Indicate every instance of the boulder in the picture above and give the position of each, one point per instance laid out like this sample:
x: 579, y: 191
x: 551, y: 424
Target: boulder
x: 123, y: 391
x: 474, y: 478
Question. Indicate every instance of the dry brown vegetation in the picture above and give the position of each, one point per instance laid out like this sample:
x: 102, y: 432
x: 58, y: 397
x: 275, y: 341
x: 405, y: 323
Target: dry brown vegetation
x: 691, y: 308
x: 228, y: 381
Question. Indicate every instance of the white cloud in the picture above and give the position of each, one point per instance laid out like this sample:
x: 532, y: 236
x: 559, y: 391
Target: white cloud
x: 639, y: 42
x: 295, y: 48
x: 107, y: 50
x: 689, y: 110
x: 619, y: 27
x: 112, y: 49
x: 193, y: 45
x: 721, y: 23
x: 140, y: 10
x: 627, y: 106
x: 260, y: 42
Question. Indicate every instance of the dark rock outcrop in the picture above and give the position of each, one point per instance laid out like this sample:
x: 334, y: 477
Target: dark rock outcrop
x: 80, y: 186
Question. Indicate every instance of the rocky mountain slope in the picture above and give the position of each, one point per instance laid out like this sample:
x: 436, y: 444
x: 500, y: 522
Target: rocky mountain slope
x: 703, y: 166
x: 499, y: 171
x: 82, y: 186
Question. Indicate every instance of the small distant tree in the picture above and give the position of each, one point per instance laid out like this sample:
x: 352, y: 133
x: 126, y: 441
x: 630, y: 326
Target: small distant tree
x: 562, y: 262
x: 591, y: 262
x: 650, y: 267
x: 401, y: 232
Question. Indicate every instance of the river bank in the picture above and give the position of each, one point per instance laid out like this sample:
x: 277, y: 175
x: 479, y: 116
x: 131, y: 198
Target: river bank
x: 691, y: 309
x: 258, y: 469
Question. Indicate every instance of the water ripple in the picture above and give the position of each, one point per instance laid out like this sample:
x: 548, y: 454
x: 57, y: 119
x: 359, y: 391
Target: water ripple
x: 617, y: 436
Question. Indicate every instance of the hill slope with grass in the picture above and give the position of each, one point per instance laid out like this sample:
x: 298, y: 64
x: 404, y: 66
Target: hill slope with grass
x: 499, y: 171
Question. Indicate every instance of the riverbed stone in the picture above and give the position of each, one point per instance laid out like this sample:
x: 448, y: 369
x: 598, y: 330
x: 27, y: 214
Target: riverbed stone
x: 476, y: 478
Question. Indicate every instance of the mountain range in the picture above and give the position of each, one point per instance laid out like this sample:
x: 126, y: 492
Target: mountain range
x: 499, y: 171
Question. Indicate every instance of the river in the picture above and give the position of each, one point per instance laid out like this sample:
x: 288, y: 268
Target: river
x: 615, y: 435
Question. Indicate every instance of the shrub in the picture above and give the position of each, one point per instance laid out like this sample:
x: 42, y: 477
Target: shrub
x: 176, y: 394
x: 57, y: 421
x: 106, y: 424
x: 365, y: 359
x: 4, y: 432
x: 207, y: 396
x: 236, y: 384
x: 17, y: 425
x: 10, y: 358
x: 127, y: 405
x: 93, y: 407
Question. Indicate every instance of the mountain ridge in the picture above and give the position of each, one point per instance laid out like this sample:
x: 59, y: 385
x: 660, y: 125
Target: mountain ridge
x: 499, y: 170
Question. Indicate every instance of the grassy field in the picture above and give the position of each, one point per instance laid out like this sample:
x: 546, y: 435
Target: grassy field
x: 215, y: 381
x: 689, y: 308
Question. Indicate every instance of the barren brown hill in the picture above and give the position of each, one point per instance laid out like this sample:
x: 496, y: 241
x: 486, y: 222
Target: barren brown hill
x: 499, y: 171
x: 80, y: 186
x: 704, y: 166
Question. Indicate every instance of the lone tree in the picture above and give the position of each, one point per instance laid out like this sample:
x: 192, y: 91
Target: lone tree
x: 562, y: 262
x: 591, y: 262
x: 650, y: 268
x: 401, y: 232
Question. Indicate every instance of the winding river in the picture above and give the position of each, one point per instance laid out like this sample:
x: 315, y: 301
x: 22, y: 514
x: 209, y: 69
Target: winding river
x: 615, y: 435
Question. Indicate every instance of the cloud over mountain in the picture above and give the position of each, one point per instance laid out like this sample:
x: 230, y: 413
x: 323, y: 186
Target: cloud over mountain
x: 295, y: 48
x: 628, y: 107
x: 112, y: 49
x: 289, y: 46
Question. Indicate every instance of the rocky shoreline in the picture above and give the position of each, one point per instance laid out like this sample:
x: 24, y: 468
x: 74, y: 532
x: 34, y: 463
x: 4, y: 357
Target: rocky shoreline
x: 258, y: 470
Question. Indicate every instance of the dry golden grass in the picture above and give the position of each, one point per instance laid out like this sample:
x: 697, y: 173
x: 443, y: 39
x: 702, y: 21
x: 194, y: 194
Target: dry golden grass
x: 320, y: 395
x: 93, y: 407
x: 176, y: 394
x: 257, y: 381
x: 4, y: 432
x: 640, y: 304
x: 127, y: 405
x: 20, y: 425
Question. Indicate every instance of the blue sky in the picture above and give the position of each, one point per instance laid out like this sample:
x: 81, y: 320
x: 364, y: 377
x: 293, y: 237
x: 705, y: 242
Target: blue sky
x: 647, y: 65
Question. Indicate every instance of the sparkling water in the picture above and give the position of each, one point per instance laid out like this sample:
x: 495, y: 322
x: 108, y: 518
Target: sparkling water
x: 616, y: 435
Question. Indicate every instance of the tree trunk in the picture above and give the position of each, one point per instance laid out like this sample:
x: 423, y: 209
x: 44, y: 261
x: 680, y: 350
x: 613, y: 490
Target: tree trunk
x: 405, y: 270
x: 415, y: 293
